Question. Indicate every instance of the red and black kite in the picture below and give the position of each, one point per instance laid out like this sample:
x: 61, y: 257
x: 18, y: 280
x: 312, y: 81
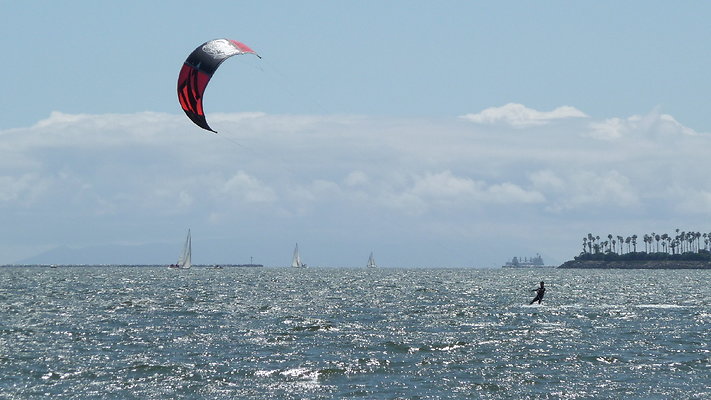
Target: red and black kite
x: 197, y: 71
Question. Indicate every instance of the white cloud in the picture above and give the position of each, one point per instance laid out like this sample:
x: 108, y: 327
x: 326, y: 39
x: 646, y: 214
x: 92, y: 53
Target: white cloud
x: 21, y: 189
x: 357, y: 178
x: 58, y: 119
x: 444, y: 189
x: 520, y: 116
x: 609, y: 129
x: 691, y: 201
x: 547, y: 180
x: 654, y: 124
x: 608, y: 189
x: 243, y: 187
x: 579, y: 189
x: 444, y: 185
x: 510, y: 193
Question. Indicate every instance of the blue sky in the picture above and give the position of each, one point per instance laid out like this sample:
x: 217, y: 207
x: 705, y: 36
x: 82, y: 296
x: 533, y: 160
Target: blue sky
x: 454, y: 133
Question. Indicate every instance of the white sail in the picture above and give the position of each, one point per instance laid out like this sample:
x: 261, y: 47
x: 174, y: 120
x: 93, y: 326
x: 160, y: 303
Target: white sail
x: 296, y: 260
x: 185, y: 260
x: 371, y: 261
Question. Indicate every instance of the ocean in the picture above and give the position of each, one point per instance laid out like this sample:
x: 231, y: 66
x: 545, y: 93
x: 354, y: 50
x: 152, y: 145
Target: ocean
x: 340, y: 333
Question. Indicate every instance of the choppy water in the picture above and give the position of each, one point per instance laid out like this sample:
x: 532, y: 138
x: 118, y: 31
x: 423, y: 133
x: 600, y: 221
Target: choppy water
x: 155, y: 333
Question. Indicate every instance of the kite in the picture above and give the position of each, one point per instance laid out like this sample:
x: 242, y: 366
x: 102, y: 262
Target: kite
x: 197, y: 70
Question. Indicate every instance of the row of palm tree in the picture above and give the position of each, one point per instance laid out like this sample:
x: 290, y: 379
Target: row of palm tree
x: 682, y: 242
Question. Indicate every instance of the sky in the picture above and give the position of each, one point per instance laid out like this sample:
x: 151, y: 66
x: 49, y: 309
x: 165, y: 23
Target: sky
x: 447, y: 134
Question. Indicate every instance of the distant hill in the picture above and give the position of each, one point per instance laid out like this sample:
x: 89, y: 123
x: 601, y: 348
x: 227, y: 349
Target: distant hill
x: 106, y: 254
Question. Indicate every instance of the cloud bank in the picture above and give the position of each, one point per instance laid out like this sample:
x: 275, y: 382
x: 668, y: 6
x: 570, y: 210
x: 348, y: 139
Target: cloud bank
x: 464, y: 191
x: 520, y: 116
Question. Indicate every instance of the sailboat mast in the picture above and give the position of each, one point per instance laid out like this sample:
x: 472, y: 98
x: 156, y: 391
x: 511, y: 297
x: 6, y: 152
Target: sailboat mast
x: 296, y: 260
x: 189, y: 257
x: 186, y: 258
x: 371, y: 261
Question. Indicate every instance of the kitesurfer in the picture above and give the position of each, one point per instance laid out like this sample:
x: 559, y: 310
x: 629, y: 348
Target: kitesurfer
x: 539, y: 294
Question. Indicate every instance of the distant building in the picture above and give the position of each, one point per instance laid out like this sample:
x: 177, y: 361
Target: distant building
x: 526, y: 262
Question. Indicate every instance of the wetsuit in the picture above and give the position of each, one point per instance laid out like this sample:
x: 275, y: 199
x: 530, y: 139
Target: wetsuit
x: 539, y: 295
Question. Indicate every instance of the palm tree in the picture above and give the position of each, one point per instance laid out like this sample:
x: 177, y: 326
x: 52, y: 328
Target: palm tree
x: 690, y: 239
x: 590, y: 242
x: 683, y: 242
x: 621, y: 240
x: 682, y: 238
x: 664, y: 241
x: 646, y: 240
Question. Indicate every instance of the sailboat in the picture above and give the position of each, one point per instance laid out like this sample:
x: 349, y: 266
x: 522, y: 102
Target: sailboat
x: 185, y: 260
x: 371, y: 262
x: 296, y: 260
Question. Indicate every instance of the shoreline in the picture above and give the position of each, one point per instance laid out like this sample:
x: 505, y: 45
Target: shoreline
x: 636, y: 264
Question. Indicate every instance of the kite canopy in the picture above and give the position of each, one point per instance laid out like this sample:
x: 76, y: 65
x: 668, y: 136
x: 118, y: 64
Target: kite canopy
x: 197, y: 71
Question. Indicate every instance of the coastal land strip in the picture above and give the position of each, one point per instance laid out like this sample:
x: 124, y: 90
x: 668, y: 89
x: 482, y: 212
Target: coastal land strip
x: 637, y: 264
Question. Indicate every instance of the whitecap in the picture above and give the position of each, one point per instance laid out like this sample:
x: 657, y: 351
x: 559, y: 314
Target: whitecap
x: 304, y: 373
x: 664, y: 306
